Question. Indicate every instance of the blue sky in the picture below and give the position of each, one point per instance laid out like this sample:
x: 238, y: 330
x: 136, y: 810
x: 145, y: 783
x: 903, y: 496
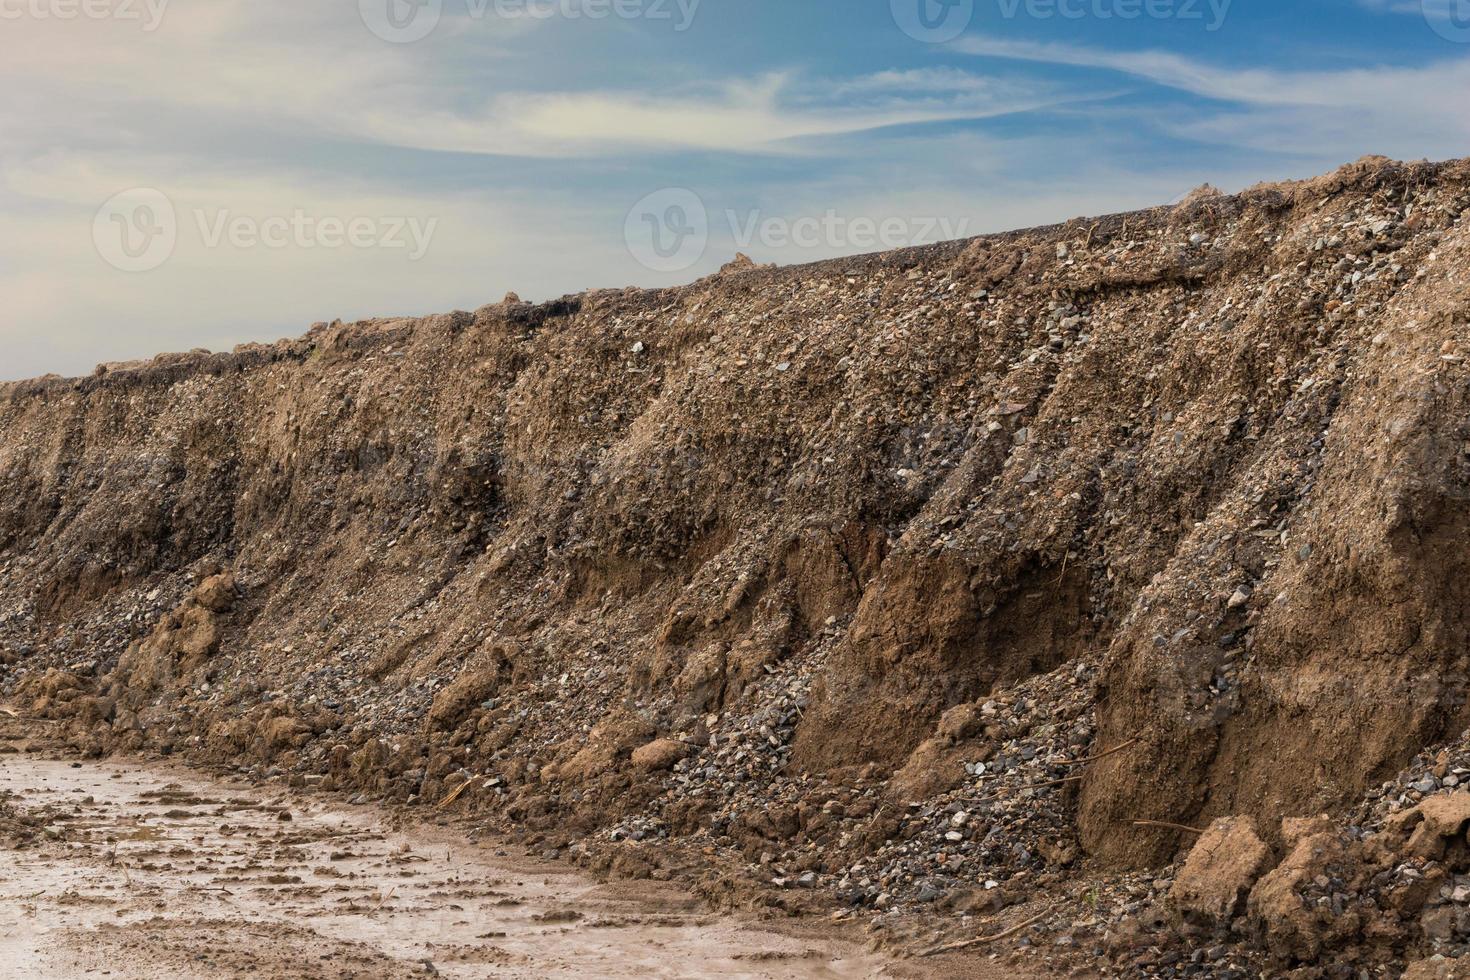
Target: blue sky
x: 263, y: 164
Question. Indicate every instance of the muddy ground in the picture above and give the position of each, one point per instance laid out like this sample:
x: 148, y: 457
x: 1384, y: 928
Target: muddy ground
x: 149, y: 870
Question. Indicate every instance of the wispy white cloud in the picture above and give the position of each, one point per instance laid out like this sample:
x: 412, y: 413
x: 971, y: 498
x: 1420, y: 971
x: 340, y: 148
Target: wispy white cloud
x: 770, y: 114
x: 278, y: 65
x: 1410, y: 111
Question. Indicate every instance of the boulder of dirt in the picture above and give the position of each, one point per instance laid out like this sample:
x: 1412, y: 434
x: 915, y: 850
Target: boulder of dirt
x: 280, y: 734
x: 52, y: 694
x: 455, y: 702
x: 197, y: 638
x: 1057, y: 853
x: 1220, y: 871
x: 232, y: 735
x: 743, y: 263
x: 746, y: 663
x: 700, y: 685
x: 935, y: 767
x: 1294, y: 830
x: 491, y: 667
x: 53, y: 683
x: 961, y: 722
x: 608, y: 744
x: 181, y: 642
x: 1280, y: 917
x: 659, y: 755
x: 217, y: 592
x: 1433, y: 826
x: 88, y: 711
x: 1202, y: 193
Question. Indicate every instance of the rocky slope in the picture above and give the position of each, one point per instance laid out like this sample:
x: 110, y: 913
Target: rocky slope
x: 913, y: 580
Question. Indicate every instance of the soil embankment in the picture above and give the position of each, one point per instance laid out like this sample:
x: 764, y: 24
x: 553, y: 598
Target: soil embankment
x: 935, y: 587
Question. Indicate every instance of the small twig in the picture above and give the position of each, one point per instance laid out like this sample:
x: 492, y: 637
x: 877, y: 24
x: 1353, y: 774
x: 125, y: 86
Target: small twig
x: 982, y: 940
x: 384, y: 899
x: 1065, y: 558
x: 1166, y: 825
x: 1052, y: 782
x: 1102, y: 755
x: 454, y: 795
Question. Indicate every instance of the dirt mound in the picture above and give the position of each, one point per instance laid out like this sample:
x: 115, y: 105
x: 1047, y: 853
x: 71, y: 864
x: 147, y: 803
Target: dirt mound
x: 1169, y: 505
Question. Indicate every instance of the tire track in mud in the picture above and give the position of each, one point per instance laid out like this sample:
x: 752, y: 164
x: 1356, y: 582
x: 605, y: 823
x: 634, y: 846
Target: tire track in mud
x: 132, y: 871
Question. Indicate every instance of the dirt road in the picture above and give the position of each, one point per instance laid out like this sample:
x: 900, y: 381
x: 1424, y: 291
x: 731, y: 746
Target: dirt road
x: 159, y: 872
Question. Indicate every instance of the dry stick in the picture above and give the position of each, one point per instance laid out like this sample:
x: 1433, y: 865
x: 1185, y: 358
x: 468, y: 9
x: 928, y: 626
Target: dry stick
x: 386, y: 895
x: 1051, y: 782
x: 1166, y: 825
x: 1102, y: 755
x: 982, y: 940
x: 454, y: 795
x: 1080, y: 762
x: 1065, y: 559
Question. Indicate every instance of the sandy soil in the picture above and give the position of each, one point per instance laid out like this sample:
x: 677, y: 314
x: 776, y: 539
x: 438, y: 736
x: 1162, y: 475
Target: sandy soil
x: 158, y: 872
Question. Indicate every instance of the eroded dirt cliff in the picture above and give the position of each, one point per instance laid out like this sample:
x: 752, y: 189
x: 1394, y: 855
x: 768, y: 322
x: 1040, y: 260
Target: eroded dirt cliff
x: 914, y: 578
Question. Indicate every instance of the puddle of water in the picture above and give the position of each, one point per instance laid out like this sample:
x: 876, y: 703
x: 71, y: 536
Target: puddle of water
x: 165, y: 873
